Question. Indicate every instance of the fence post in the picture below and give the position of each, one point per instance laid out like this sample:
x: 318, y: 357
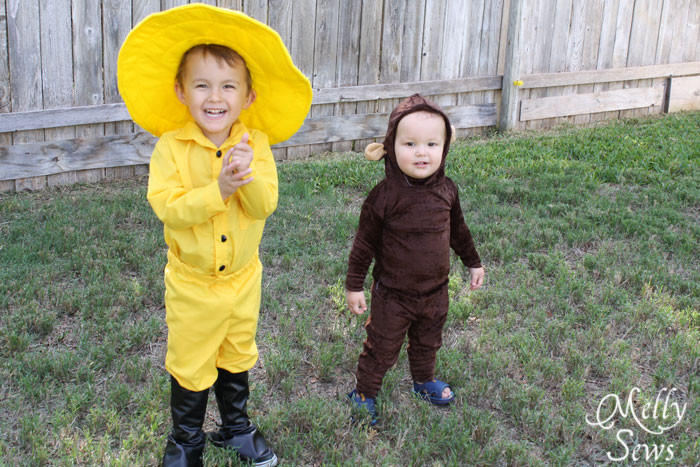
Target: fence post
x: 508, y: 115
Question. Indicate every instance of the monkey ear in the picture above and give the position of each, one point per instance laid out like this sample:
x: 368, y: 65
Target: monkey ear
x: 454, y: 134
x: 374, y: 151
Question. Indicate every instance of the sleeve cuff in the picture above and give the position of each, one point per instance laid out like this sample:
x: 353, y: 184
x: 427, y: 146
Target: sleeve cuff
x: 213, y: 195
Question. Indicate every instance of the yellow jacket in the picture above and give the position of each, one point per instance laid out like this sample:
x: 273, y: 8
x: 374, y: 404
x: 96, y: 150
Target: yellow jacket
x: 209, y: 235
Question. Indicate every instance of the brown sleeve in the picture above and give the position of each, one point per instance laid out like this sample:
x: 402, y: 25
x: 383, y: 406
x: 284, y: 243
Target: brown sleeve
x: 369, y: 233
x: 460, y: 238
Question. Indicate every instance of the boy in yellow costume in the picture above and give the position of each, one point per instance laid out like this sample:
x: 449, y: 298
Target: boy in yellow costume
x: 218, y: 88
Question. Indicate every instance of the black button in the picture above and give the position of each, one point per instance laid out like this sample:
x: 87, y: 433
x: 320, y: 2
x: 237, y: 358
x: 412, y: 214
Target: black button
x: 218, y: 153
x: 223, y: 238
x: 221, y: 268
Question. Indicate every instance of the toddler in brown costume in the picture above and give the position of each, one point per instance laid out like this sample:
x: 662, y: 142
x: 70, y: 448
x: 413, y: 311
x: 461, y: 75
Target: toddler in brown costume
x: 408, y: 223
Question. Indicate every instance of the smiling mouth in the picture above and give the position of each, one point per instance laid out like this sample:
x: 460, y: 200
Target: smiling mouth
x: 215, y: 113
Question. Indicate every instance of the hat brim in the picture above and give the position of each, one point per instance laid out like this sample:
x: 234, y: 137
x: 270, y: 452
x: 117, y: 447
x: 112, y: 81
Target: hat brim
x: 151, y: 53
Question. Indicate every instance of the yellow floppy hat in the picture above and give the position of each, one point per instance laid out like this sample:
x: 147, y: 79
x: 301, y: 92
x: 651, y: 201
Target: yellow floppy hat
x: 151, y: 53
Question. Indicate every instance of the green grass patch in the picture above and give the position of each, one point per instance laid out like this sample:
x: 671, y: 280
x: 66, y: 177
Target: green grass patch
x: 591, y: 242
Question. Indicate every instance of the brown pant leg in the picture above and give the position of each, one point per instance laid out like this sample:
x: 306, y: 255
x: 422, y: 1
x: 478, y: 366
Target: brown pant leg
x: 386, y: 329
x: 425, y: 335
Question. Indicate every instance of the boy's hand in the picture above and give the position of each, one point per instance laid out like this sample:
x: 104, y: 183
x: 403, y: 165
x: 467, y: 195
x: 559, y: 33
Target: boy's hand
x: 242, y: 152
x: 477, y: 278
x: 232, y: 177
x: 356, y: 302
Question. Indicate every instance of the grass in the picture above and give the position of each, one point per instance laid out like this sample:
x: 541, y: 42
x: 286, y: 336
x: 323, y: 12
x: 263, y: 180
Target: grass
x: 591, y: 242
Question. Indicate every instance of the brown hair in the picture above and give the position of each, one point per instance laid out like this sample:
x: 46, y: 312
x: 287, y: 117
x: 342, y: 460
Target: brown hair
x: 219, y: 52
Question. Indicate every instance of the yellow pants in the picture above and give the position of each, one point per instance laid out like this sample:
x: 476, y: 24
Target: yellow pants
x: 211, y: 321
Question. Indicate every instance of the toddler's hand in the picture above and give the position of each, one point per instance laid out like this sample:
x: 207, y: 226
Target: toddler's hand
x: 242, y: 153
x: 232, y: 177
x: 356, y: 302
x: 477, y: 276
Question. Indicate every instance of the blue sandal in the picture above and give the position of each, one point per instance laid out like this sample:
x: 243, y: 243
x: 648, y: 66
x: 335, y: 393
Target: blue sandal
x: 364, y: 404
x: 432, y: 392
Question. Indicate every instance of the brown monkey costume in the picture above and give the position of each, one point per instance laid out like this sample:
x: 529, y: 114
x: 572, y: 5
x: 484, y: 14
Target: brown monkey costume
x: 408, y: 226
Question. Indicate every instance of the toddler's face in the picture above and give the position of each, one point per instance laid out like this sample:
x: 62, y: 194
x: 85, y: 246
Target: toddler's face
x: 215, y: 94
x: 420, y: 140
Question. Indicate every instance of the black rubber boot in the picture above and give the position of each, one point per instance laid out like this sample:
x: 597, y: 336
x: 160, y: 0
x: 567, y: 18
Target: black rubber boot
x: 186, y: 441
x: 236, y: 430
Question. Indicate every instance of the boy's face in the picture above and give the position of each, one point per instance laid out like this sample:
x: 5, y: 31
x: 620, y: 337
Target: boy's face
x: 420, y: 140
x: 215, y: 93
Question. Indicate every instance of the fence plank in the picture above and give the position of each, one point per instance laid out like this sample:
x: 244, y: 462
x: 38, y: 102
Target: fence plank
x: 605, y: 53
x: 57, y: 71
x: 557, y: 57
x: 25, y: 61
x: 541, y: 54
x: 348, y: 59
x: 168, y: 4
x: 691, y: 49
x: 231, y: 4
x: 574, y: 50
x: 57, y: 62
x: 591, y: 45
x: 623, y: 28
x: 655, y: 13
x: 400, y: 90
x: 302, y: 51
x: 639, y: 52
x: 142, y: 8
x: 454, y: 46
x: 5, y: 98
x: 87, y: 65
x: 53, y: 118
x: 609, y: 76
x: 488, y: 52
x: 256, y: 9
x: 509, y: 96
x: 390, y: 57
x: 23, y: 29
x: 412, y: 41
x: 28, y: 160
x: 325, y: 56
x: 581, y: 104
x: 528, y: 35
x: 469, y: 60
x: 433, y: 33
x: 370, y: 48
x: 5, y: 140
x: 280, y: 19
x: 665, y: 39
x: 503, y: 38
x: 46, y: 158
x: 353, y: 127
x: 685, y: 94
x: 116, y: 23
x: 471, y: 51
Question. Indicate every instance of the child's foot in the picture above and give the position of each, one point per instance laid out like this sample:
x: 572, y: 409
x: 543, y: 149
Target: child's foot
x: 363, y: 404
x: 436, y: 392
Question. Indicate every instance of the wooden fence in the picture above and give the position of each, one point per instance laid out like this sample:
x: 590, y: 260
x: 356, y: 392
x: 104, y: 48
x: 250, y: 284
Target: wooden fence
x: 513, y: 63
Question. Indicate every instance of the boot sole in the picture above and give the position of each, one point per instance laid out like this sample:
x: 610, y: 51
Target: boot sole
x: 268, y: 463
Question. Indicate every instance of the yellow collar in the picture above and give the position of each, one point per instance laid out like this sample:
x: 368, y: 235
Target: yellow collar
x: 191, y: 131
